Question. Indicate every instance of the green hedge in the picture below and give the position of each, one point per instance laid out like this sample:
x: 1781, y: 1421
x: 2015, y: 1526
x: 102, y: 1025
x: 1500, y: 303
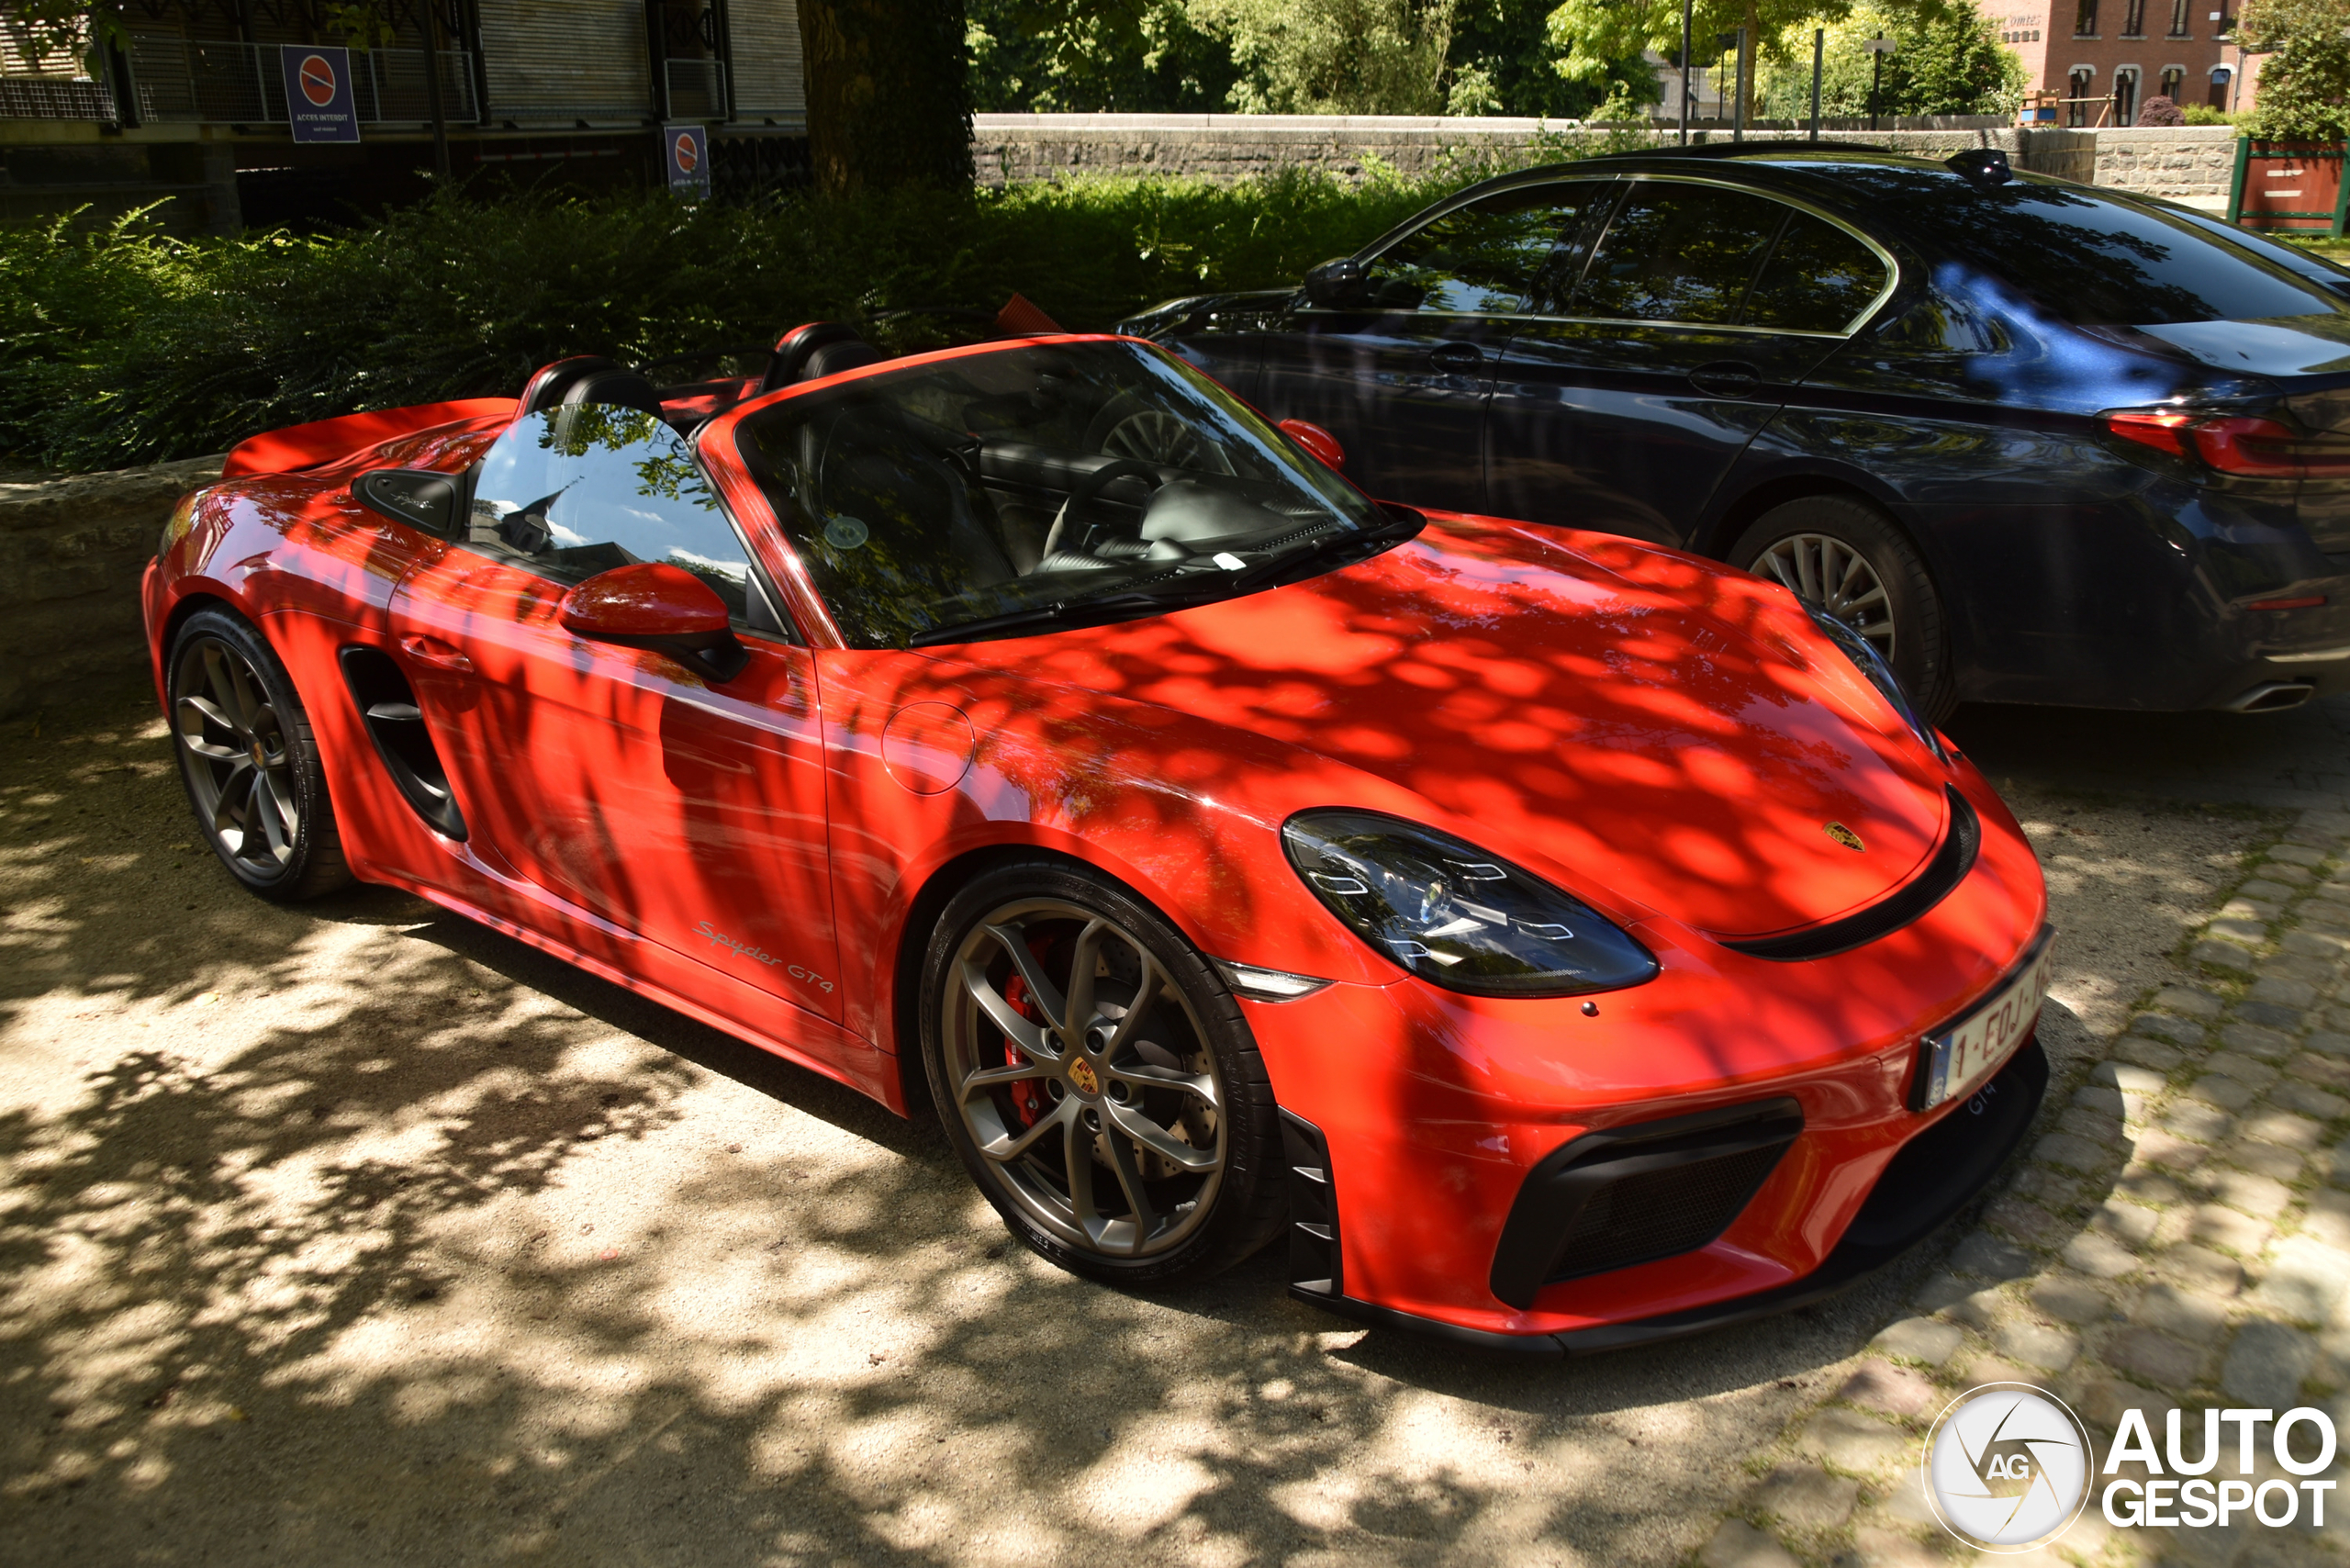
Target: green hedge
x: 125, y: 346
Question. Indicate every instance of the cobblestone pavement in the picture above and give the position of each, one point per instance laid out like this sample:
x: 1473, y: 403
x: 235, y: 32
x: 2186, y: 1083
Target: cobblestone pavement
x: 2297, y: 760
x: 2178, y: 1239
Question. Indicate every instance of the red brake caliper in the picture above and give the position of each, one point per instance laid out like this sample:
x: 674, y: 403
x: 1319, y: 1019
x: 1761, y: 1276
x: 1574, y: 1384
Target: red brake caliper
x: 1027, y: 1101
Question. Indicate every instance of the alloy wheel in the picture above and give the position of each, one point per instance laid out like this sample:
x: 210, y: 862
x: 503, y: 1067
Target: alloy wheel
x: 234, y: 749
x: 1832, y: 576
x: 1161, y: 439
x: 1083, y: 1075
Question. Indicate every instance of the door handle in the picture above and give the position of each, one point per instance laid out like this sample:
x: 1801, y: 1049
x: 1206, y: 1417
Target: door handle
x: 1727, y: 378
x: 1456, y: 357
x: 434, y: 650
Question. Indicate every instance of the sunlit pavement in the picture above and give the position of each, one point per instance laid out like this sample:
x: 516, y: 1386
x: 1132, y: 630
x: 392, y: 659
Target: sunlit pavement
x: 357, y: 1233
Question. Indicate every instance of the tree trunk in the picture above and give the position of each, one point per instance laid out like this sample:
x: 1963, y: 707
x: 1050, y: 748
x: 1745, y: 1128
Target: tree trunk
x: 1754, y: 58
x: 889, y: 97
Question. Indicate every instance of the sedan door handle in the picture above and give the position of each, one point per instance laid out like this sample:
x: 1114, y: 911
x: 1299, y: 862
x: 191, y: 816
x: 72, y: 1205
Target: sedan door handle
x: 1727, y: 378
x: 434, y: 650
x: 1456, y: 357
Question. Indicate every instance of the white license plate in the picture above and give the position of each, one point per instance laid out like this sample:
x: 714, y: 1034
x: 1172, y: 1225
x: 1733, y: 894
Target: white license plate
x: 1956, y: 1061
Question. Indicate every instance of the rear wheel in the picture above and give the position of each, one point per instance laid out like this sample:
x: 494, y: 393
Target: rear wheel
x: 1097, y: 1079
x: 250, y: 762
x: 1847, y: 559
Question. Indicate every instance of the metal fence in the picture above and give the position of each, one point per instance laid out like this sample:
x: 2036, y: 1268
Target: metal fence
x: 50, y: 97
x: 225, y: 82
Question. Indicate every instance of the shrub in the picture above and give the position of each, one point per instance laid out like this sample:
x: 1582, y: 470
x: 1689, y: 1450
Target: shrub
x: 2160, y: 110
x: 123, y: 345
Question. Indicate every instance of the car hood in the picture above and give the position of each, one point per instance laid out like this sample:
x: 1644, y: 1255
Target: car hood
x: 1648, y: 728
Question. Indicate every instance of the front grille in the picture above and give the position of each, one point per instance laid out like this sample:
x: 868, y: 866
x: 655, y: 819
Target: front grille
x: 1660, y: 1213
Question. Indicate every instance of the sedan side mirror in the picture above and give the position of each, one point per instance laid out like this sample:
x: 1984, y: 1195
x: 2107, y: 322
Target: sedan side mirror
x: 417, y: 497
x: 652, y: 604
x: 1318, y: 440
x: 1335, y: 283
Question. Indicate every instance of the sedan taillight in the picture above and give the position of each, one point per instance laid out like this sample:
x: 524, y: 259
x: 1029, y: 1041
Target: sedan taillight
x: 2244, y: 445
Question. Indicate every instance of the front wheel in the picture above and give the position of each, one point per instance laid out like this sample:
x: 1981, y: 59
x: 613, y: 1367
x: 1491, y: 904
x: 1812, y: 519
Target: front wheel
x: 1846, y: 559
x: 1097, y: 1079
x: 250, y: 762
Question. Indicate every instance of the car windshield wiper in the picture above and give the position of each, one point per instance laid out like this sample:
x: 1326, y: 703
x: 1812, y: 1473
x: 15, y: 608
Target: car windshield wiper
x: 1060, y: 612
x: 1401, y: 524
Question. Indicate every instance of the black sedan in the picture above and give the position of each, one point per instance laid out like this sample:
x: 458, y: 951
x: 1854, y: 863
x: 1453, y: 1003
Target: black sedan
x: 2039, y: 441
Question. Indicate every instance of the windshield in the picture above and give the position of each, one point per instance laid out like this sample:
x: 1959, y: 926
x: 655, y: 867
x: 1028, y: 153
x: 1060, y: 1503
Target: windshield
x: 1028, y: 478
x: 2089, y: 259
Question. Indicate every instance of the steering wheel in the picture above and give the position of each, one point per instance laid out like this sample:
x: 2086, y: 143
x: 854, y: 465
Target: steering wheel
x: 1081, y: 499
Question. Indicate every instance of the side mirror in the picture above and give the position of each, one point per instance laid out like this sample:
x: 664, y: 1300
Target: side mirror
x: 1335, y: 283
x: 652, y: 604
x: 1318, y: 440
x: 417, y: 497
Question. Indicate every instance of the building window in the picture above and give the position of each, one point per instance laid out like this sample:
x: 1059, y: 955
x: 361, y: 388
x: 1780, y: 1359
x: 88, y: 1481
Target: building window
x: 2179, y: 18
x: 2133, y: 19
x: 2125, y: 95
x: 2085, y: 25
x: 2077, y: 87
x: 2220, y: 77
x: 2174, y: 78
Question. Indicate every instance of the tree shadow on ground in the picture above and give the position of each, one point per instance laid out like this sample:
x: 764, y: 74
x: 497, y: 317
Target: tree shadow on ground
x: 359, y: 1233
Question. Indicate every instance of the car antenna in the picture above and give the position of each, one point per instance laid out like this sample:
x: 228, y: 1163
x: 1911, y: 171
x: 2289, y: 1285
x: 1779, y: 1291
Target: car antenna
x: 1982, y: 167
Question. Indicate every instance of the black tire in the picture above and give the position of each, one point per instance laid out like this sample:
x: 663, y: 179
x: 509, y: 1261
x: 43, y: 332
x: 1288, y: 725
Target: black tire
x: 1904, y: 620
x: 250, y: 762
x: 1037, y: 1110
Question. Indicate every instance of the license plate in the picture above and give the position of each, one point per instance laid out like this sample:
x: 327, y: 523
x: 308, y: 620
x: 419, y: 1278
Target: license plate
x: 1953, y: 1063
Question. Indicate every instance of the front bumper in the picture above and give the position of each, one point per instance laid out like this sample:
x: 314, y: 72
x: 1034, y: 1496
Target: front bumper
x: 1933, y: 1177
x: 1425, y: 1115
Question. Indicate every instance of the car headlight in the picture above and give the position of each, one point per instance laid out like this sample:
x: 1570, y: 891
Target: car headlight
x: 1453, y: 915
x: 1872, y: 664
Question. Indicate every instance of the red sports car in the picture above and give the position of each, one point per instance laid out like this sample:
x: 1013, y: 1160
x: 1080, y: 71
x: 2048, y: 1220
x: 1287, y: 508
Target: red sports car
x: 1561, y: 942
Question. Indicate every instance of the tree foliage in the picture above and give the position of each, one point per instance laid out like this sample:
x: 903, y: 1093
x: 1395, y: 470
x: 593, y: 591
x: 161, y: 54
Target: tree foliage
x: 1085, y: 56
x: 1946, y: 61
x: 2305, y: 81
x: 1335, y: 56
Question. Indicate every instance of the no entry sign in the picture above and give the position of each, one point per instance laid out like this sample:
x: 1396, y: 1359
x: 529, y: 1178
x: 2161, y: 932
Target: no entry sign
x: 317, y: 92
x: 685, y: 152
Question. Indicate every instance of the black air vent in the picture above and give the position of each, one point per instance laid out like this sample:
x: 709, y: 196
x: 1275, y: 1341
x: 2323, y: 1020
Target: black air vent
x: 388, y: 706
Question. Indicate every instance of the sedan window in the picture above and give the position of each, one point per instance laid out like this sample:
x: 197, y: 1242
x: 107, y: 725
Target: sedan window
x: 1489, y: 257
x: 1679, y: 253
x: 2086, y: 257
x: 574, y: 492
x: 1819, y: 278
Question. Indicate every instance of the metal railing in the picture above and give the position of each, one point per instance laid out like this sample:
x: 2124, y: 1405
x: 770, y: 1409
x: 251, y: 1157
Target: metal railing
x: 221, y: 80
x: 54, y: 97
x: 696, y: 89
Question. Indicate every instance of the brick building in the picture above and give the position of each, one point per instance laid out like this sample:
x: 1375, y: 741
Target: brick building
x: 193, y: 108
x: 2109, y: 56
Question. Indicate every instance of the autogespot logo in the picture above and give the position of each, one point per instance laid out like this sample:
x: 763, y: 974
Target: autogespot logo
x: 2007, y: 1467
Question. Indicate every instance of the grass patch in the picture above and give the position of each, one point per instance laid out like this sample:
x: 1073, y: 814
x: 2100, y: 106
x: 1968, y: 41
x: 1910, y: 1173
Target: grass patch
x: 123, y: 345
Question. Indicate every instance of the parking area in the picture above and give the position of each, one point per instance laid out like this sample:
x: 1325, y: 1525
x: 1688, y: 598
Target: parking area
x: 357, y: 1233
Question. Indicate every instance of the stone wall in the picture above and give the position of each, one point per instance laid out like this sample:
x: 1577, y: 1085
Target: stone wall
x: 2190, y: 164
x: 2184, y: 163
x: 71, y: 555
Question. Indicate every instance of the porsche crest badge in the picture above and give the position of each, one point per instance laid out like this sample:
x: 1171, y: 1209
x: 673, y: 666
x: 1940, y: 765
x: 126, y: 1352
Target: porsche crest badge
x: 1081, y: 1073
x: 1843, y: 835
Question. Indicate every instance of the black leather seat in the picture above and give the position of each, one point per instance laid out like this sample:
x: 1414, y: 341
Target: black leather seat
x: 549, y: 382
x: 815, y: 351
x: 614, y: 387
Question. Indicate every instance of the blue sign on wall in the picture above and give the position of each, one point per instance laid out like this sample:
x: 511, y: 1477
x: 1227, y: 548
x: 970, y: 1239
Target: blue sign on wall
x: 685, y: 152
x: 317, y: 92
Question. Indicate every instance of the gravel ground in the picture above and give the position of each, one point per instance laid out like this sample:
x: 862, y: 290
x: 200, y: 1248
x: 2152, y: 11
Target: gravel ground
x: 358, y: 1233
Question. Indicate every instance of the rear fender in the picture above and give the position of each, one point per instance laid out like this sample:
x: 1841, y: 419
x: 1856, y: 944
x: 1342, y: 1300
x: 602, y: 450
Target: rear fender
x: 309, y: 447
